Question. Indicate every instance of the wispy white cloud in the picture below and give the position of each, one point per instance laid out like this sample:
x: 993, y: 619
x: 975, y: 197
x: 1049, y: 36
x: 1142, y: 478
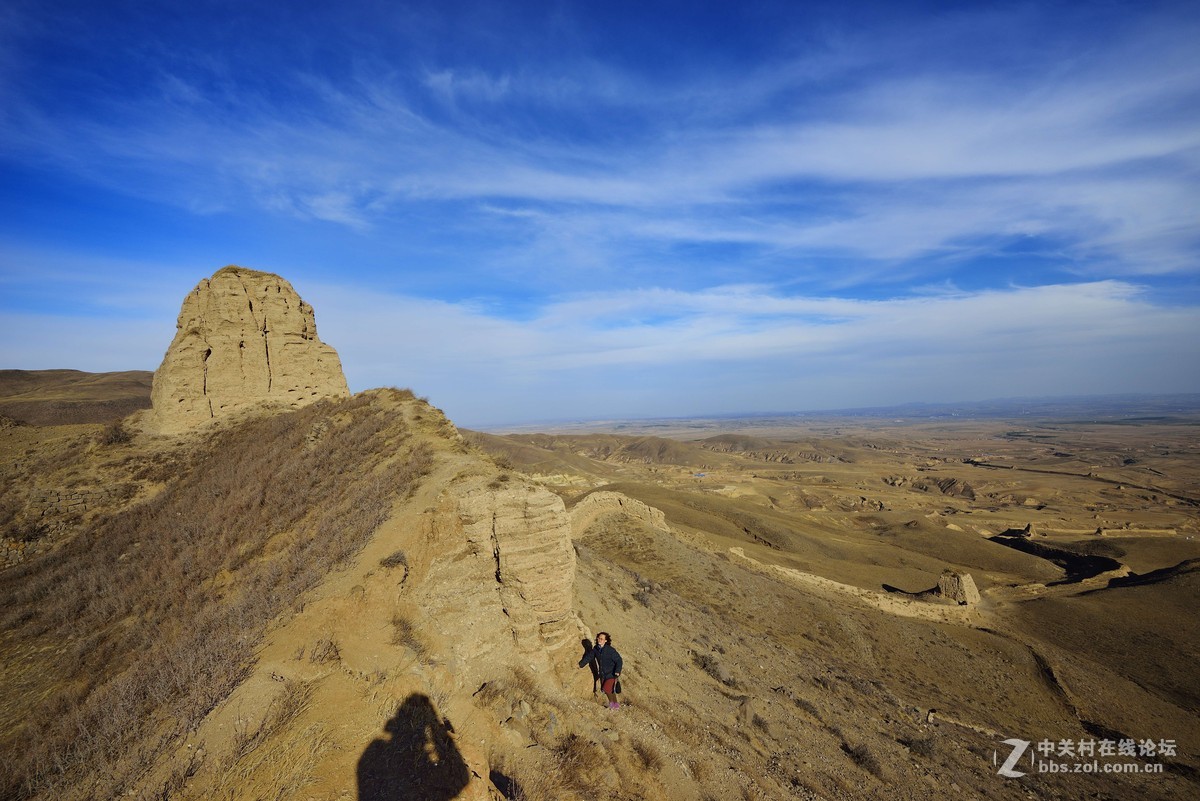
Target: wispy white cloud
x: 747, y: 347
x: 585, y: 352
x: 470, y: 85
x: 915, y: 163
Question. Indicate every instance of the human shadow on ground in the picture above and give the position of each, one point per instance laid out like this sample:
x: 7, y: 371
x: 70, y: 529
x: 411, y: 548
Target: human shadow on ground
x: 587, y: 649
x: 417, y: 762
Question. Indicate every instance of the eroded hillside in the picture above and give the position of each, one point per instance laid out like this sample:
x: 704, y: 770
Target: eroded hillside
x: 351, y: 601
x: 1080, y: 537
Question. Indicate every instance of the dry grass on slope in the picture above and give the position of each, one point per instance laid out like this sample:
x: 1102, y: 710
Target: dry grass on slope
x: 66, y: 397
x: 124, y: 637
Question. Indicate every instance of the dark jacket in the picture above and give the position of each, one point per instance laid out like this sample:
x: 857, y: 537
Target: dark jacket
x: 607, y: 660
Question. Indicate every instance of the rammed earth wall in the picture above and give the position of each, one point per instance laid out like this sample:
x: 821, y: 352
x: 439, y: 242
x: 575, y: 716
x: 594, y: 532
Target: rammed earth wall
x: 51, y: 513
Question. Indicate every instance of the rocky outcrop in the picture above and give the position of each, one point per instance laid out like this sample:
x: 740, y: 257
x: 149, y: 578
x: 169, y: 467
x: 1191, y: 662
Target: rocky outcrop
x: 958, y: 587
x: 526, y: 530
x: 946, y: 486
x: 601, y: 504
x: 244, y: 338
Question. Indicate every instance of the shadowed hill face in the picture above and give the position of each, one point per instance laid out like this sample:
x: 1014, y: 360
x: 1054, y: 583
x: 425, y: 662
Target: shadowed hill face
x: 617, y: 449
x: 528, y: 457
x: 777, y: 451
x: 66, y: 397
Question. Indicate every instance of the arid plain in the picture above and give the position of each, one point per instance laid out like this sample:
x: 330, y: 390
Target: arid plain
x: 768, y: 582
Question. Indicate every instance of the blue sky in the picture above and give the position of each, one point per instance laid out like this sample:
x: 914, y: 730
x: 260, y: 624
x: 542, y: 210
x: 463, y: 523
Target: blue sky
x: 543, y: 211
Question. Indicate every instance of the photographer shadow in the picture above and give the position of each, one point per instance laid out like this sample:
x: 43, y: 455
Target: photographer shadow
x: 418, y: 762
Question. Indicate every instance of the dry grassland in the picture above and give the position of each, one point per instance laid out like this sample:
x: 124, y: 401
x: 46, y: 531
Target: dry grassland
x: 143, y: 624
x: 288, y: 608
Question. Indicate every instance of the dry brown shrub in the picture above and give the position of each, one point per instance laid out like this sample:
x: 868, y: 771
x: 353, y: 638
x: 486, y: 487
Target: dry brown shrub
x: 404, y: 634
x: 649, y: 757
x: 283, y: 710
x: 114, y: 433
x: 523, y: 683
x: 324, y: 650
x: 713, y: 667
x: 516, y: 685
x: 397, y: 559
x: 277, y: 769
x: 488, y: 693
x: 578, y: 759
x: 864, y: 758
x: 529, y: 782
x: 921, y: 746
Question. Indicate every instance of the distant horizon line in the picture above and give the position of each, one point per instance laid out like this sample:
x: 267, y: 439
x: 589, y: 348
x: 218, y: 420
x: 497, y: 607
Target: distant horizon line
x: 1189, y: 400
x: 1128, y: 401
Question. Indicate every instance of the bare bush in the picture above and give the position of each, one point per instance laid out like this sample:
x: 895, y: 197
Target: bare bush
x: 487, y: 693
x: 404, y: 634
x: 807, y: 706
x: 577, y: 758
x: 529, y: 783
x: 114, y: 434
x: 28, y: 532
x: 864, y: 758
x: 397, y: 559
x: 523, y: 683
x: 283, y: 710
x: 649, y: 757
x: 519, y: 684
x: 10, y: 508
x: 712, y: 666
x: 325, y: 650
x: 920, y: 746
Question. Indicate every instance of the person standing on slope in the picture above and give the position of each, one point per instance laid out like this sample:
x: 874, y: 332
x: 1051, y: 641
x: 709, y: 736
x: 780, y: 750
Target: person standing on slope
x: 608, y: 663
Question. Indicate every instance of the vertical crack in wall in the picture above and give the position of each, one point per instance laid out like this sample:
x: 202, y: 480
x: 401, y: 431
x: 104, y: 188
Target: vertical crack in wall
x: 242, y: 344
x: 496, y: 549
x: 204, y: 382
x: 267, y: 354
x: 261, y: 327
x: 499, y: 577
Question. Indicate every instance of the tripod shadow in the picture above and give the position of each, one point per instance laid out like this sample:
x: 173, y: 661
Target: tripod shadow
x: 418, y: 762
